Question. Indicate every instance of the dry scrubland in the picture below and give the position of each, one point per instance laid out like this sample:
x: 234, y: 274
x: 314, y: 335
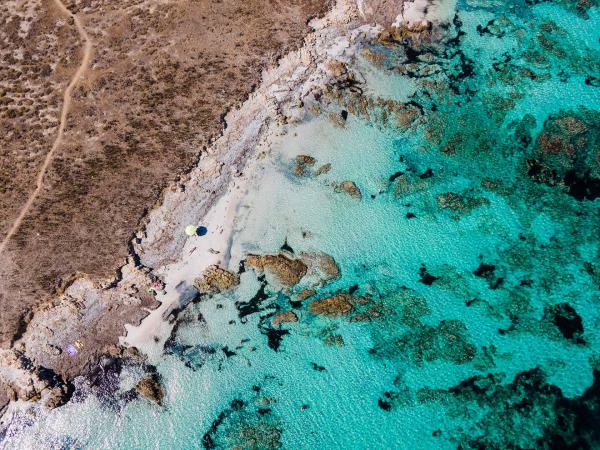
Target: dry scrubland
x: 162, y: 75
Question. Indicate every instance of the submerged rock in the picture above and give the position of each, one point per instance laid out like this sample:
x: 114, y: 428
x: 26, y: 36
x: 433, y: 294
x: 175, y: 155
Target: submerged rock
x: 150, y: 388
x: 409, y: 306
x: 306, y: 160
x: 337, y: 120
x: 279, y: 269
x: 215, y: 280
x: 284, y: 317
x: 335, y: 306
x: 566, y: 154
x: 448, y: 341
x: 405, y: 185
x: 460, y: 202
x: 321, y: 268
x: 334, y: 340
x: 303, y: 162
x: 566, y: 319
x: 350, y: 188
x: 304, y: 294
x: 323, y: 169
x: 406, y: 116
x: 529, y: 412
x: 260, y: 436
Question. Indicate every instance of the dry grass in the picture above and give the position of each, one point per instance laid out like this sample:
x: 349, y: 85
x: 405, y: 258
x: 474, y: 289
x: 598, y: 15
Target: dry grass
x: 161, y: 76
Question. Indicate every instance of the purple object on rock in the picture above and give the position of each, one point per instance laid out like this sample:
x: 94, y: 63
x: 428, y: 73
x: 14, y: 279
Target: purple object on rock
x: 71, y: 350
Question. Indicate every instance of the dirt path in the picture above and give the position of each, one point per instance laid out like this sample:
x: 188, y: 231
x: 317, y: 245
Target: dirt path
x: 87, y: 51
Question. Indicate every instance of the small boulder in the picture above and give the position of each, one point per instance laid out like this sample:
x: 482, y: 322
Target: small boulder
x: 350, y: 188
x: 303, y: 162
x: 306, y: 160
x: 323, y: 169
x: 321, y: 268
x: 150, y: 388
x: 337, y: 120
x: 284, y: 317
x: 304, y: 294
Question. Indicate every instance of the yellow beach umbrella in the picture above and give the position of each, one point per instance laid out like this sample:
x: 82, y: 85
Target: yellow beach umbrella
x: 191, y: 230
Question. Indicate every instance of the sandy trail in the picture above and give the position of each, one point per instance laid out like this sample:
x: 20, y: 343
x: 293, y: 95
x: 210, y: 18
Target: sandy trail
x: 87, y: 52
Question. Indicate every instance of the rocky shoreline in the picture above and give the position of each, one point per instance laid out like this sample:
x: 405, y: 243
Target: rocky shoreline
x: 91, y: 315
x: 377, y: 255
x: 278, y: 101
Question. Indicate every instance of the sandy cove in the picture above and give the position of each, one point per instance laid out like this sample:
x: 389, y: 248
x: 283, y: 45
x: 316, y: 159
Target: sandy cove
x: 95, y: 313
x: 246, y: 141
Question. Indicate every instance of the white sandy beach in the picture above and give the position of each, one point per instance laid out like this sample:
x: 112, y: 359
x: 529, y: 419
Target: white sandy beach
x: 245, y: 141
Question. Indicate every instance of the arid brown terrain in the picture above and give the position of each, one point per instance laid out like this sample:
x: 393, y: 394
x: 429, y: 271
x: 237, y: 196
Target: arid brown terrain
x: 161, y: 76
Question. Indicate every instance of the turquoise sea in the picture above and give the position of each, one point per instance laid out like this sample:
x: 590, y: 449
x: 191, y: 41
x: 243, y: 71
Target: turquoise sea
x: 471, y: 258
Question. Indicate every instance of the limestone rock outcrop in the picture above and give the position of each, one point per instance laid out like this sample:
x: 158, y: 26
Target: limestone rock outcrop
x: 21, y: 379
x: 280, y: 270
x: 215, y: 280
x: 335, y: 306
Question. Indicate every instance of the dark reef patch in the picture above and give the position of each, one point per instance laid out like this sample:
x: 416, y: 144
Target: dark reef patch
x: 228, y: 353
x: 582, y: 187
x: 286, y: 247
x: 384, y: 404
x: 566, y: 320
x: 565, y: 154
x: 395, y: 175
x: 427, y: 174
x: 242, y: 426
x: 193, y: 357
x: 318, y: 368
x: 487, y: 272
x: 528, y: 412
x: 254, y: 304
x: 425, y: 277
x: 274, y: 337
x: 208, y: 441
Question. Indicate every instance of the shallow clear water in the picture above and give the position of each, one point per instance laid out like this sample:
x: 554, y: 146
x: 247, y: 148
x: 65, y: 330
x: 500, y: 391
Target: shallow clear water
x: 474, y: 249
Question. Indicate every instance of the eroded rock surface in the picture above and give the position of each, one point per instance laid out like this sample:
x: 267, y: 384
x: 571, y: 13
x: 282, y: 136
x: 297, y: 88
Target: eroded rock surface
x: 335, y: 306
x: 21, y: 379
x: 86, y: 316
x: 215, y: 280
